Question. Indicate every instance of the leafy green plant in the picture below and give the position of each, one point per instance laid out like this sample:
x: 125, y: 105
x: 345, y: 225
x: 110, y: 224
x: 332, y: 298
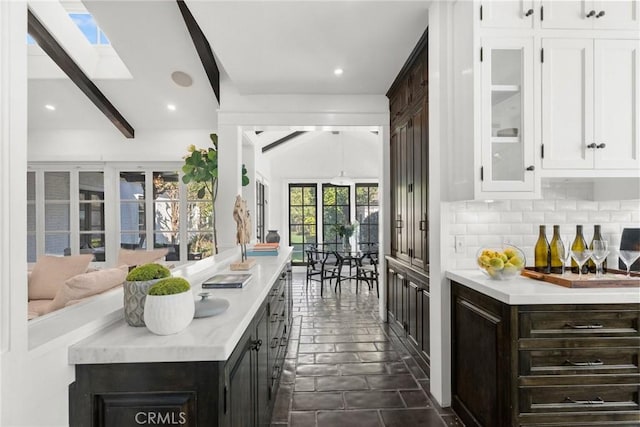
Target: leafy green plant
x: 170, y: 286
x: 201, y: 166
x: 344, y: 230
x: 146, y: 272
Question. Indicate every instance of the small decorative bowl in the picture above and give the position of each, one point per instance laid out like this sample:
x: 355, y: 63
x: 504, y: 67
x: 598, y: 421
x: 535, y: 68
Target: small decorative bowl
x: 501, y: 264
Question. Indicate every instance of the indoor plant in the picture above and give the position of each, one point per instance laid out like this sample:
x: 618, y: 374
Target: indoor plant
x: 169, y: 307
x: 345, y: 231
x: 201, y: 166
x: 136, y: 285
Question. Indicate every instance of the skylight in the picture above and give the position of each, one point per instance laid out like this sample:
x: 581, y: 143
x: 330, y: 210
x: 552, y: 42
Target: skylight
x: 85, y: 22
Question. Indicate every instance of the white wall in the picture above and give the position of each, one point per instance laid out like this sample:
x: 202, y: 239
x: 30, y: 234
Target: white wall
x: 318, y: 156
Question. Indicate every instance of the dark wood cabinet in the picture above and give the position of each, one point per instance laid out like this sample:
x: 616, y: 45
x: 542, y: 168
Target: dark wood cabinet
x: 408, y: 305
x: 237, y: 392
x: 544, y: 364
x: 408, y: 105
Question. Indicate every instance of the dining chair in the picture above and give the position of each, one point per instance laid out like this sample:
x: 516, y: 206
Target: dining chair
x: 367, y: 271
x: 321, y: 267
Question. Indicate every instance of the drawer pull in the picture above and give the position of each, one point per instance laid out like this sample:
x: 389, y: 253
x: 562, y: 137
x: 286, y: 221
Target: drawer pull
x: 283, y: 342
x: 274, y: 342
x: 274, y: 317
x: 596, y: 362
x: 597, y: 401
x: 592, y: 326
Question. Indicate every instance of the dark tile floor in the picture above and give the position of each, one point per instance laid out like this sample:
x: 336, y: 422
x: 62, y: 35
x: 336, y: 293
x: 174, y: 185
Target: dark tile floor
x: 345, y: 368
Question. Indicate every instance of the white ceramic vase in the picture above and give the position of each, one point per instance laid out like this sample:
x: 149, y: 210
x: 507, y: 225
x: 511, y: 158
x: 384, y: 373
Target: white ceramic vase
x: 169, y: 314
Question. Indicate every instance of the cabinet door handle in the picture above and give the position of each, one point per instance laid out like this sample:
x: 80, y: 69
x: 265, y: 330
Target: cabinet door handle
x: 256, y: 345
x: 529, y: 12
x: 274, y: 318
x: 422, y: 225
x: 283, y: 342
x: 398, y: 223
x: 596, y: 401
x: 596, y: 362
x: 423, y: 83
x: 591, y: 13
x: 591, y: 326
x: 601, y: 145
x: 600, y: 14
x: 274, y: 342
x: 531, y: 168
x: 592, y: 145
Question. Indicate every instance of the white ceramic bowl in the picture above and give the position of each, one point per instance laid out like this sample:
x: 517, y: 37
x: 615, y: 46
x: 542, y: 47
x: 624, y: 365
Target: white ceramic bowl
x: 501, y: 264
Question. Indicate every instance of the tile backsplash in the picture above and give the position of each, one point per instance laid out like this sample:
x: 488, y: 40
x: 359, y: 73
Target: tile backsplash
x: 483, y: 224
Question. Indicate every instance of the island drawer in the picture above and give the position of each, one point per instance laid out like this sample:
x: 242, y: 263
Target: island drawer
x: 570, y: 323
x: 579, y: 361
x: 579, y: 398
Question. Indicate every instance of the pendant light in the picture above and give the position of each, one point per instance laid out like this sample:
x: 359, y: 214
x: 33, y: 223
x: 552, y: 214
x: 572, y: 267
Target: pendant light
x: 341, y: 179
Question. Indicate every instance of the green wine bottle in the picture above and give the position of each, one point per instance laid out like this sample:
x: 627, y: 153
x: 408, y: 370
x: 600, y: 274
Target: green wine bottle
x: 542, y: 252
x: 556, y: 242
x: 578, y: 245
x: 596, y: 236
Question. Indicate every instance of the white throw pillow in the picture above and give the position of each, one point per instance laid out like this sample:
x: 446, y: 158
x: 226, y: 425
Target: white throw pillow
x: 50, y: 273
x: 89, y: 284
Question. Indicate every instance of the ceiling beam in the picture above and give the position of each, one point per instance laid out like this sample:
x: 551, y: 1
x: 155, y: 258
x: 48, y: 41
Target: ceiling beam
x: 283, y: 140
x: 203, y: 48
x: 57, y: 53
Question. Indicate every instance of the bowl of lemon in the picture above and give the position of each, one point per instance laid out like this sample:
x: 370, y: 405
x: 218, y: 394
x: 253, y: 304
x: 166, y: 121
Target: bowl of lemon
x: 501, y: 264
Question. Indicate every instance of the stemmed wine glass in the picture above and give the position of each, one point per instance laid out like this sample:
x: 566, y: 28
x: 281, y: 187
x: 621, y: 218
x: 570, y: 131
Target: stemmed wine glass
x: 629, y: 257
x: 564, y: 251
x: 580, y: 257
x: 599, y: 254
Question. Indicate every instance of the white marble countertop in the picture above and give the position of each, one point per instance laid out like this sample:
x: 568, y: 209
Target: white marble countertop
x: 523, y: 290
x: 205, y: 339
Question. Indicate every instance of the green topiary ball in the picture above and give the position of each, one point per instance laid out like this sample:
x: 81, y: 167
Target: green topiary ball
x: 144, y: 273
x: 170, y: 286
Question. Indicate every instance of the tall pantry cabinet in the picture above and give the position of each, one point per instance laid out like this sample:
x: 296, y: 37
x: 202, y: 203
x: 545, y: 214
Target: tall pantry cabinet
x: 407, y: 266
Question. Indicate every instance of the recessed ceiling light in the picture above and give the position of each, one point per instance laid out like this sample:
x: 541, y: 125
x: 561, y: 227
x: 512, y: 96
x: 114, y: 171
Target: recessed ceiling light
x: 338, y: 71
x: 181, y: 78
x: 50, y: 107
x: 171, y: 107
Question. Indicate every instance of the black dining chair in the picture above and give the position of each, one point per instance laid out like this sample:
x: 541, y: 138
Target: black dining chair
x: 367, y: 271
x: 321, y: 267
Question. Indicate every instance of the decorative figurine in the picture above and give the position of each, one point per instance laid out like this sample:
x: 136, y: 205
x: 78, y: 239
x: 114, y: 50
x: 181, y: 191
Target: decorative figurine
x: 243, y: 233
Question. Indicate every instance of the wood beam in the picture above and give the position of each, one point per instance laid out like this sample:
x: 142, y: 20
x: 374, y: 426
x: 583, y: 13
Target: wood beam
x: 283, y: 140
x: 57, y: 53
x: 203, y: 48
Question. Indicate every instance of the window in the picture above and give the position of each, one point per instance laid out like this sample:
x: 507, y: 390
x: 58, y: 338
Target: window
x: 367, y: 208
x: 133, y: 223
x: 335, y: 211
x: 85, y: 22
x: 65, y: 213
x: 260, y: 210
x: 302, y: 219
x: 200, y: 221
x: 166, y: 213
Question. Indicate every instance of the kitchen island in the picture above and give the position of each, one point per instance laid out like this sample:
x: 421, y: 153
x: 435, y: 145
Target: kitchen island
x: 526, y: 352
x: 221, y: 371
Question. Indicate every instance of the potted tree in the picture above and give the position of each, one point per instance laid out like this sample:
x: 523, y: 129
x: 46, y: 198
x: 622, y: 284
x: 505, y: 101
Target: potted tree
x: 136, y: 286
x: 169, y: 307
x: 201, y: 166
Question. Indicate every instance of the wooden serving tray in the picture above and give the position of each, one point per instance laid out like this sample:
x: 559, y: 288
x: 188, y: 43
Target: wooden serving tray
x: 613, y: 279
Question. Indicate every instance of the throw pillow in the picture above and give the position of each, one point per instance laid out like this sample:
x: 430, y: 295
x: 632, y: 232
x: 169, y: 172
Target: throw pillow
x: 89, y: 284
x: 50, y: 273
x: 133, y: 258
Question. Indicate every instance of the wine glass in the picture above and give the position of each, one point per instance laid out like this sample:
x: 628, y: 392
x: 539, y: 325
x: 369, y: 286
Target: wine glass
x: 629, y: 257
x: 599, y: 254
x: 580, y: 257
x: 564, y: 251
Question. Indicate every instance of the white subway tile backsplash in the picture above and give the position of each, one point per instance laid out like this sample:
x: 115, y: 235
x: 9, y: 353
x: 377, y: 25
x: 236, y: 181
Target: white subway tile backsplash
x: 516, y: 221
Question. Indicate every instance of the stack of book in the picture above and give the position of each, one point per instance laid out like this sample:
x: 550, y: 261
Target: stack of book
x: 263, y: 249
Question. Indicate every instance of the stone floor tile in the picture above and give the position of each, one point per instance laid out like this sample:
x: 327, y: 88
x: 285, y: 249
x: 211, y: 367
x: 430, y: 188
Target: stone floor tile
x: 337, y: 358
x: 283, y: 402
x: 397, y: 368
x: 317, y: 348
x: 332, y: 338
x: 320, y: 369
x: 389, y: 382
x: 305, y: 384
x: 302, y: 419
x: 379, y: 356
x: 340, y: 383
x: 411, y: 417
x: 363, y: 368
x: 385, y: 346
x: 310, y: 401
x: 306, y: 359
x: 373, y: 399
x: 348, y: 418
x: 415, y: 399
x: 361, y: 346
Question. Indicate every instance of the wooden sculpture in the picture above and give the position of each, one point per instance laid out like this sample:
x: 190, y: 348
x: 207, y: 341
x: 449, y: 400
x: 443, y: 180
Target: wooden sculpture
x: 243, y: 233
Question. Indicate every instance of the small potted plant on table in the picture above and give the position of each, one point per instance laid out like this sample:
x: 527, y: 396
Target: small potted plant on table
x: 136, y: 286
x: 169, y: 307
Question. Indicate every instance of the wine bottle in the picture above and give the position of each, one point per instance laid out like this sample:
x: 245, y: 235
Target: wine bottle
x: 556, y: 261
x: 542, y: 252
x: 596, y: 236
x: 578, y: 245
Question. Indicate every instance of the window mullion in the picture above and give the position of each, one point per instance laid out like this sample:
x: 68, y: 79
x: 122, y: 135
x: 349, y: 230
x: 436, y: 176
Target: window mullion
x: 183, y: 232
x: 40, y: 221
x: 149, y: 212
x: 74, y: 212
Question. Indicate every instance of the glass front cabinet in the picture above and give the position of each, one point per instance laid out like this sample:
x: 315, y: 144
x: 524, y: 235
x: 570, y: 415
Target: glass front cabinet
x: 507, y: 154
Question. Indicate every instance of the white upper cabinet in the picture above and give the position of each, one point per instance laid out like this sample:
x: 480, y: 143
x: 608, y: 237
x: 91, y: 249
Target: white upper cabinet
x: 507, y: 14
x: 590, y: 109
x: 590, y: 14
x: 507, y: 115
